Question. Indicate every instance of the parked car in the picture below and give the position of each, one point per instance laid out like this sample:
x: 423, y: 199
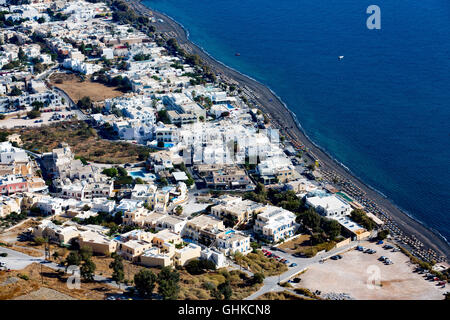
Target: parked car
x: 296, y: 280
x: 3, y: 254
x: 382, y: 258
x: 380, y: 242
x: 360, y: 248
x: 293, y: 265
x: 334, y: 258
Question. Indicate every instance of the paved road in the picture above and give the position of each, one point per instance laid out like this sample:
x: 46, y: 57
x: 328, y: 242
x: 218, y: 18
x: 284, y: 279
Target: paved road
x: 17, y: 260
x: 80, y: 115
x: 271, y: 283
x: 47, y: 73
x: 235, y: 266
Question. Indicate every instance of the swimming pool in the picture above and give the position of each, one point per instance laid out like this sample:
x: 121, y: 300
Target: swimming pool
x: 143, y: 174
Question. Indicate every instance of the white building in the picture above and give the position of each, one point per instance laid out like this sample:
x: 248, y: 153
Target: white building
x: 10, y: 154
x: 52, y: 205
x: 329, y: 206
x: 215, y: 256
x: 275, y: 223
x: 231, y: 241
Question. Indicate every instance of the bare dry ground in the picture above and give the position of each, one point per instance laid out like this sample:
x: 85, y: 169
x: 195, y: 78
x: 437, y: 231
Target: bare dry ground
x: 45, y: 294
x: 257, y: 262
x: 49, y: 279
x: 295, y: 244
x: 356, y: 272
x: 84, y: 141
x: 77, y: 89
x: 192, y: 287
x: 283, y: 295
x: 12, y: 234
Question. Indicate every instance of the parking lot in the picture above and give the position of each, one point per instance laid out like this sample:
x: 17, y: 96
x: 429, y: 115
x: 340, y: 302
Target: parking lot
x: 363, y: 276
x: 45, y: 117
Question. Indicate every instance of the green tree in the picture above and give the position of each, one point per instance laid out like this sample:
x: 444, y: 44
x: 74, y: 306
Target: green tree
x: 117, y: 266
x: 258, y: 278
x: 110, y: 172
x: 261, y: 190
x: 84, y: 103
x: 33, y: 114
x: 310, y: 218
x: 144, y: 282
x: 216, y: 294
x: 85, y: 253
x: 163, y: 116
x: 39, y: 240
x: 168, y: 283
x: 359, y: 216
x: 15, y: 91
x: 164, y: 182
x: 87, y: 270
x: 179, y: 210
x: 73, y: 259
x: 226, y: 290
x: 122, y: 171
x: 331, y: 227
x: 382, y: 234
x: 21, y: 55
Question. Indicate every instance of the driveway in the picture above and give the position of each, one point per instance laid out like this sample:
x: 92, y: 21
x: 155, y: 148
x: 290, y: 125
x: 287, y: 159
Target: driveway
x: 17, y: 260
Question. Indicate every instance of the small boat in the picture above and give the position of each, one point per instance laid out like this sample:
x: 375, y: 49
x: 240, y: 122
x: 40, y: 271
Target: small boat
x: 341, y: 57
x: 237, y: 54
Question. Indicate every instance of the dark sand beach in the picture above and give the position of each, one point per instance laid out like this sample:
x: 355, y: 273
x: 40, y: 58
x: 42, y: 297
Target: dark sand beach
x: 284, y: 120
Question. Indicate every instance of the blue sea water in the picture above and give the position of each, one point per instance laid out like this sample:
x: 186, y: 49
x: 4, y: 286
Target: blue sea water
x: 383, y: 111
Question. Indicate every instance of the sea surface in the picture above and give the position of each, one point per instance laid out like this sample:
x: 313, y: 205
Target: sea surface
x: 383, y: 111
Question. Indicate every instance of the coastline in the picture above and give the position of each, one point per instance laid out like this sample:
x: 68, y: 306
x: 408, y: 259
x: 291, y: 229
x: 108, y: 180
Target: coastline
x: 289, y: 126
